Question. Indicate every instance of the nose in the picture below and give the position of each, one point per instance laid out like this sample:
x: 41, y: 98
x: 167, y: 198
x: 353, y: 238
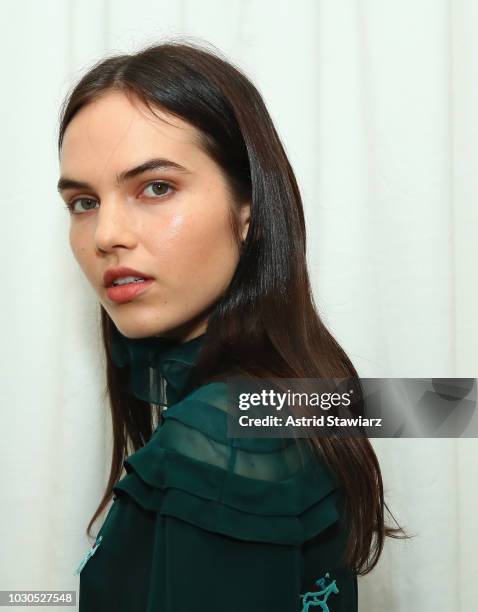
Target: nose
x: 114, y: 225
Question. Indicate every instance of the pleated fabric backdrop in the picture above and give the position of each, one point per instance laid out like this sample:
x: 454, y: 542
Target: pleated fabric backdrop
x: 375, y: 101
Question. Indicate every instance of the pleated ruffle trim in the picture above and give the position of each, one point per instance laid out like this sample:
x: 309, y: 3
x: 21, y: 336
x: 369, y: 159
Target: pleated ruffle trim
x: 289, y: 512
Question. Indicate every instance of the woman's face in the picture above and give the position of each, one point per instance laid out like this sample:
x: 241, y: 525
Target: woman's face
x: 170, y: 223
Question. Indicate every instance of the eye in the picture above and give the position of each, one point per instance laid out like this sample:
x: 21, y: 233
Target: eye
x: 162, y: 187
x: 158, y: 188
x: 71, y: 205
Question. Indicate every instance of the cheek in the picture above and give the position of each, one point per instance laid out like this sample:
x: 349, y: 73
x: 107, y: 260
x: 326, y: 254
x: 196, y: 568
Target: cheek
x: 79, y: 247
x: 203, y: 256
x: 75, y: 243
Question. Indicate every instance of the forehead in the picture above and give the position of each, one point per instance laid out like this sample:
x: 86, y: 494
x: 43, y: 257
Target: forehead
x: 115, y: 131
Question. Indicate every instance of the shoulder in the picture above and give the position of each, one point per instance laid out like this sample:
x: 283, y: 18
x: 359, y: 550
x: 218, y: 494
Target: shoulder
x: 262, y: 489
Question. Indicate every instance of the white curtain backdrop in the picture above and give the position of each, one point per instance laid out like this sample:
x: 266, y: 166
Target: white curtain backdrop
x: 375, y: 101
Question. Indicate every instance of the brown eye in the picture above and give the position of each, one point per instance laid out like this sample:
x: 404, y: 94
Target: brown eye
x: 158, y: 188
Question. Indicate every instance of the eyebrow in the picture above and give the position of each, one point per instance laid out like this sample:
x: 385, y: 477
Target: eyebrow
x: 151, y: 164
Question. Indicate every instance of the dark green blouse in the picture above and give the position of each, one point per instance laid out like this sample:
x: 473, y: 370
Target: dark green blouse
x: 209, y: 523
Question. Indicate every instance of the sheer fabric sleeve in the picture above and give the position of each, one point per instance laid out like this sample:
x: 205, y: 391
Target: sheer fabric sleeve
x: 232, y: 514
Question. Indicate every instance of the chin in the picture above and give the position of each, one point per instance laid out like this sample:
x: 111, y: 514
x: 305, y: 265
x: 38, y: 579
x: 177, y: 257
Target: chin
x: 135, y: 330
x: 139, y: 325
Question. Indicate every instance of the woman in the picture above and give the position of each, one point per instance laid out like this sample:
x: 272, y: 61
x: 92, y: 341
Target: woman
x: 187, y: 220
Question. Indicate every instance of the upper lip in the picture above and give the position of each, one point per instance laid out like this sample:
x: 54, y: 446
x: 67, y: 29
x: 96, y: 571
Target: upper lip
x: 114, y: 273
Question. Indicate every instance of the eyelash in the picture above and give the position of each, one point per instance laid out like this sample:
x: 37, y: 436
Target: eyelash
x: 70, y: 205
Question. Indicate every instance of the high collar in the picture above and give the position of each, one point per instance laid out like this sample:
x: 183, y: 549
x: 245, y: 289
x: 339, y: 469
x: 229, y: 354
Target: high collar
x: 153, y: 360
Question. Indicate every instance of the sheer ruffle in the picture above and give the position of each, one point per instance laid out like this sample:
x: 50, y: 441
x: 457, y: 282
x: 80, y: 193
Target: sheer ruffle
x: 262, y: 489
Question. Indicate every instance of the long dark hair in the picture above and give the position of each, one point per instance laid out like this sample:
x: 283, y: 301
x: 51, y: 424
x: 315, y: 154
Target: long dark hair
x: 266, y: 323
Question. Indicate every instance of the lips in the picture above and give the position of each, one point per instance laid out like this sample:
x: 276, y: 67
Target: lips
x: 114, y: 273
x: 129, y: 291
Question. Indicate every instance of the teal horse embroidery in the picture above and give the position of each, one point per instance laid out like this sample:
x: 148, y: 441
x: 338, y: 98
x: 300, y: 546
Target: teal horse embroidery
x: 319, y: 598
